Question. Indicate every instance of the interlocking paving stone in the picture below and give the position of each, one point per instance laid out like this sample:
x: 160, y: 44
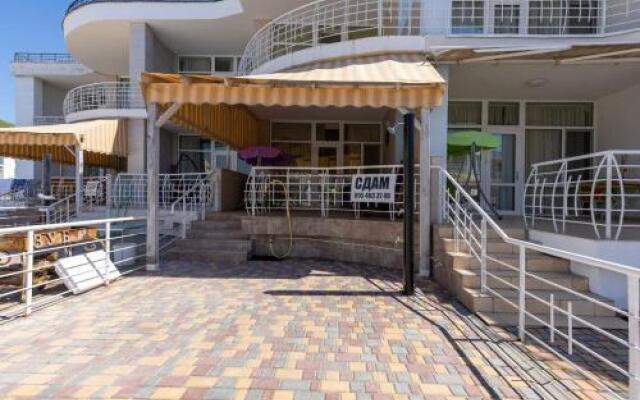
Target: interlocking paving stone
x: 292, y: 330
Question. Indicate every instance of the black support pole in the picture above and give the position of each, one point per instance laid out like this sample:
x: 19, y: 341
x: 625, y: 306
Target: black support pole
x: 409, y: 196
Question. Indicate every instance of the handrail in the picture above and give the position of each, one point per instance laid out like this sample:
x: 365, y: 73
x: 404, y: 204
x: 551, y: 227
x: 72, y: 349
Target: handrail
x: 26, y: 228
x: 198, y: 185
x: 103, y: 96
x: 598, y: 262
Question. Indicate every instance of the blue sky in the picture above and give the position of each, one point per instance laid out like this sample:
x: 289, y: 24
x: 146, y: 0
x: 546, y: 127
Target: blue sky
x: 31, y: 26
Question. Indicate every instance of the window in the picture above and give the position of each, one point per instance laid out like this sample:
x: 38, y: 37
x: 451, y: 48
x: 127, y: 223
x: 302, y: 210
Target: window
x: 465, y: 113
x: 328, y: 132
x: 506, y: 19
x: 285, y: 131
x: 224, y: 64
x: 501, y: 113
x: 560, y: 114
x: 559, y: 17
x: 365, y: 133
x: 194, y: 65
x: 467, y: 17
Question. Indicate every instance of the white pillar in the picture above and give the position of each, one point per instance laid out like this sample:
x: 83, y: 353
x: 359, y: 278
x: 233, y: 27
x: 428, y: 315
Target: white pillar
x: 153, y: 164
x: 425, y: 193
x: 79, y: 181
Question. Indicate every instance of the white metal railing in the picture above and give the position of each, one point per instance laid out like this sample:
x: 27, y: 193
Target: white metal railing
x: 130, y: 190
x: 472, y: 227
x: 598, y: 192
x: 44, y: 58
x: 321, y: 190
x: 60, y: 211
x: 103, y: 96
x: 29, y: 278
x: 330, y: 21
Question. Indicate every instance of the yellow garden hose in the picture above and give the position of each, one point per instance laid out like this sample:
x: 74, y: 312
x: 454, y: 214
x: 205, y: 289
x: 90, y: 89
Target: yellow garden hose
x: 289, y: 222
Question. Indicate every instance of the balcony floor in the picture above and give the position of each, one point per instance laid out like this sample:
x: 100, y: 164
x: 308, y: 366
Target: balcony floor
x: 266, y: 330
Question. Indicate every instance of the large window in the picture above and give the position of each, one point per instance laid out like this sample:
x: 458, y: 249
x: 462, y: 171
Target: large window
x: 295, y: 139
x: 467, y: 17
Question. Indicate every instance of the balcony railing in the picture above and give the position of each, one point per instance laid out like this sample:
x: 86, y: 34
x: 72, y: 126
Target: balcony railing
x: 43, y: 58
x: 594, y: 195
x: 330, y: 21
x: 48, y: 120
x: 103, y: 96
x: 81, y: 3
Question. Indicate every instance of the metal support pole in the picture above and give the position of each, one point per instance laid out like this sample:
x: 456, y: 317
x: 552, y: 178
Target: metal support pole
x: 409, y: 192
x: 79, y: 180
x: 483, y: 255
x: 609, y: 200
x: 107, y: 250
x: 153, y: 187
x: 28, y: 278
x: 522, y: 305
x: 633, y: 299
x: 425, y: 193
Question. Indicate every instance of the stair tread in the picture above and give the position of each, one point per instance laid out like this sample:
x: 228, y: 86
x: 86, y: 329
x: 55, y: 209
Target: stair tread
x: 511, y: 319
x: 515, y: 274
x: 559, y: 295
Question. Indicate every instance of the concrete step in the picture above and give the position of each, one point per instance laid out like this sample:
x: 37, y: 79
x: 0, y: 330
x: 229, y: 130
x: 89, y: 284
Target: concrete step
x: 224, y: 216
x: 536, y: 262
x: 471, y: 279
x: 477, y: 301
x: 217, y: 225
x: 511, y: 319
x: 446, y: 231
x: 206, y: 233
x: 206, y: 255
x: 215, y: 244
x: 493, y: 246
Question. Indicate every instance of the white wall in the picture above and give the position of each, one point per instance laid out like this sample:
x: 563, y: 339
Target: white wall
x: 52, y: 100
x: 617, y: 122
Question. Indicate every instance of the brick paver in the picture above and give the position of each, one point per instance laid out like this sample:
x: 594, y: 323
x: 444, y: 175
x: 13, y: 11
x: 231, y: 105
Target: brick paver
x: 295, y: 330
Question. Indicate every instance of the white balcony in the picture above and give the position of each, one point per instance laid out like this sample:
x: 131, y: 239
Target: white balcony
x: 104, y: 100
x: 402, y: 22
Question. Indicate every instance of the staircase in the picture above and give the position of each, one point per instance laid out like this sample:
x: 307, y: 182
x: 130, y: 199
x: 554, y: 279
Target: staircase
x: 219, y: 238
x: 459, y: 272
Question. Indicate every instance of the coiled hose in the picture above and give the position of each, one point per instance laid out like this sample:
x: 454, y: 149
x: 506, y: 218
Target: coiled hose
x: 289, y: 222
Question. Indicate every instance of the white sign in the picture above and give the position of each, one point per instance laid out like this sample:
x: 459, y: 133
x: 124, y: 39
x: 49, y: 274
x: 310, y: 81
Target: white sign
x: 374, y: 188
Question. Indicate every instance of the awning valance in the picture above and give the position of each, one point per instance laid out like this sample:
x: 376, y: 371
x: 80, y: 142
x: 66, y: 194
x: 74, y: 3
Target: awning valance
x: 379, y: 81
x: 103, y: 141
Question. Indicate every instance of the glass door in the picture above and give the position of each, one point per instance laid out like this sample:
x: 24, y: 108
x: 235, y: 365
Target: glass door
x: 326, y: 156
x: 503, y: 167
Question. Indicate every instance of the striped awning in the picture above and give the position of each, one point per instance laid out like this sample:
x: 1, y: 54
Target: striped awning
x: 377, y: 81
x: 103, y: 141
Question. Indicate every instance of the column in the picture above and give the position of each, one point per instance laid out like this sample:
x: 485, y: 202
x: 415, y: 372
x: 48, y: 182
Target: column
x: 424, y: 262
x: 79, y: 181
x: 153, y: 185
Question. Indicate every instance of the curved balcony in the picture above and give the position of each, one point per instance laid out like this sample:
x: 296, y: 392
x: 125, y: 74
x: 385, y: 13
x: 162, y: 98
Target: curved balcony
x: 76, y: 4
x: 104, y: 100
x: 401, y: 25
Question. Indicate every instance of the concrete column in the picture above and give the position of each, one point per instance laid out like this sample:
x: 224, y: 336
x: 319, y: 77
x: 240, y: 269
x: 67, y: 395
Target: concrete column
x: 79, y: 181
x: 439, y: 131
x: 425, y: 193
x: 29, y: 104
x: 153, y: 185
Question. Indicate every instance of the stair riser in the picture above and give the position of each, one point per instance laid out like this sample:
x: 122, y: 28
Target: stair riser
x: 473, y: 282
x: 208, y: 257
x: 215, y: 236
x: 217, y: 225
x: 533, y: 264
x: 447, y: 232
x: 498, y: 305
x: 492, y: 247
x: 225, y: 245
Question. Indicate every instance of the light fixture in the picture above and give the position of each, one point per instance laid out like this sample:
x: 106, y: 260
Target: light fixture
x: 536, y: 82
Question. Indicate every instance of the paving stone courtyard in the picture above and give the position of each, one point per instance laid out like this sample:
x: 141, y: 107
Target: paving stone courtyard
x: 299, y: 330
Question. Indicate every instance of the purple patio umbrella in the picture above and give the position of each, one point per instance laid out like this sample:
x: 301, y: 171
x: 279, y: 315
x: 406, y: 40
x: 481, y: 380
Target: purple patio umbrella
x: 264, y: 156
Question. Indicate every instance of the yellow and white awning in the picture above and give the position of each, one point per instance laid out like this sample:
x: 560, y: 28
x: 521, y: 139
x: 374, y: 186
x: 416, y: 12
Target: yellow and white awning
x: 381, y: 81
x: 103, y: 141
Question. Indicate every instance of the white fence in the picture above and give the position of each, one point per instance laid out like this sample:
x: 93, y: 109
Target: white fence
x: 594, y: 195
x: 331, y: 21
x: 322, y: 191
x: 29, y: 278
x: 472, y: 227
x: 103, y: 96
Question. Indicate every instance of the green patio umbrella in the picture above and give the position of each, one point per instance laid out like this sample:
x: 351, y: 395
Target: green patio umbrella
x: 470, y: 142
x: 463, y: 142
